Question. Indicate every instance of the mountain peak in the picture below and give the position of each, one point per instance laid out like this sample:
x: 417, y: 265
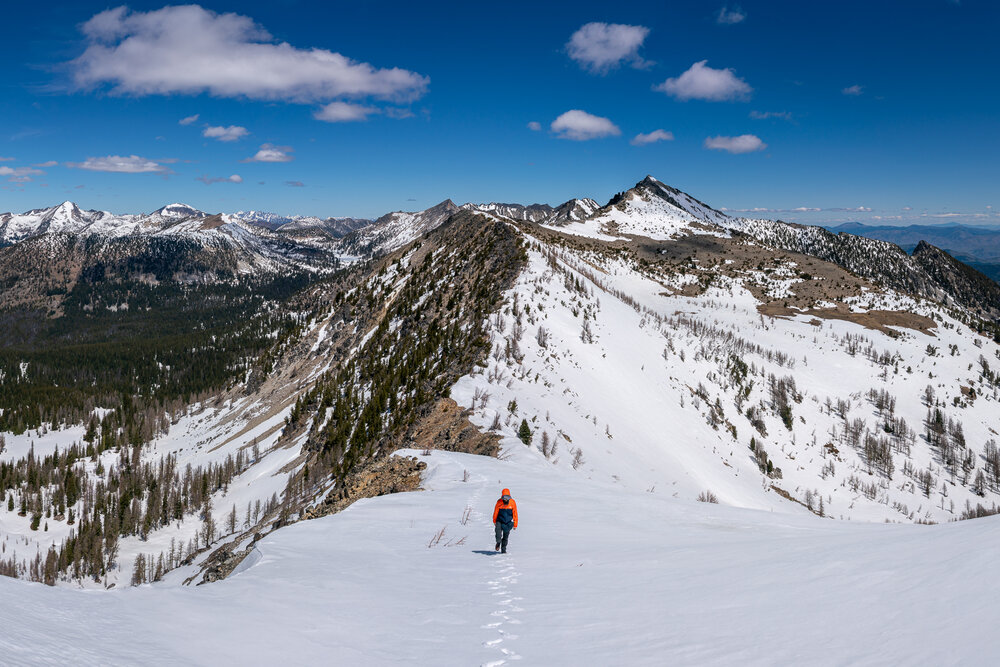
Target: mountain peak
x: 653, y: 208
x: 178, y: 210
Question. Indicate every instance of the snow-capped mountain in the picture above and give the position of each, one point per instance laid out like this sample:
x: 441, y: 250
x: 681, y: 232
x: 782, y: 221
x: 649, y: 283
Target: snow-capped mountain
x: 396, y: 229
x: 570, y: 211
x: 263, y: 218
x: 178, y: 212
x: 64, y: 218
x: 335, y: 226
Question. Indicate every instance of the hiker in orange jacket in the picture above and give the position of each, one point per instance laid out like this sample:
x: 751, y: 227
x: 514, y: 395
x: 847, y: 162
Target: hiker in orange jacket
x: 504, y: 519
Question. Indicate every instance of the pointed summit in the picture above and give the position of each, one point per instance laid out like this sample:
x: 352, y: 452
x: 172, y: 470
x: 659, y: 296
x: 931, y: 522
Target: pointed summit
x: 651, y: 192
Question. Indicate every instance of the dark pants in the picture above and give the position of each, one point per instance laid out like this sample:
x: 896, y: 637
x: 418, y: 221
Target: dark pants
x: 502, y: 531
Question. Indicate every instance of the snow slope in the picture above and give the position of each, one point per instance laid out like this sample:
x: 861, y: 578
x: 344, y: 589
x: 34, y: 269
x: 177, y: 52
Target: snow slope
x: 638, y: 399
x: 596, y: 574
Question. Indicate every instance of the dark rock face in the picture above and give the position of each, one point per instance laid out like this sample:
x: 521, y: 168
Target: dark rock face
x: 223, y: 561
x: 966, y: 285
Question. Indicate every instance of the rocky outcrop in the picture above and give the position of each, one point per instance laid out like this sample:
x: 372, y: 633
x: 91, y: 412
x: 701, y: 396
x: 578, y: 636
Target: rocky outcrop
x: 394, y: 474
x: 221, y: 563
x: 448, y: 427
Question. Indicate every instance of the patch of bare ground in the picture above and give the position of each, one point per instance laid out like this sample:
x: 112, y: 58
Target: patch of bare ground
x: 878, y: 320
x: 212, y: 222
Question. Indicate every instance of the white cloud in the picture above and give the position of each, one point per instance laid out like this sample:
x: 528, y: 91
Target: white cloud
x: 19, y: 174
x: 701, y: 82
x: 581, y: 126
x: 49, y: 163
x: 188, y: 120
x: 191, y: 50
x: 132, y: 164
x: 295, y: 184
x: 727, y: 16
x: 801, y: 209
x: 343, y: 112
x: 600, y: 47
x: 854, y: 90
x: 764, y: 115
x: 652, y: 137
x: 271, y: 153
x: 6, y: 159
x: 208, y: 180
x: 535, y: 126
x: 745, y: 143
x: 764, y: 209
x: 230, y: 133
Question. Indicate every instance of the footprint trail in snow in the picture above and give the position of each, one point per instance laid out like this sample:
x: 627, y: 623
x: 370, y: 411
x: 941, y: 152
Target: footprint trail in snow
x: 502, y: 626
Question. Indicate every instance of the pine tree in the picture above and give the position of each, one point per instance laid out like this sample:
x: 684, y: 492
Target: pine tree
x: 524, y: 432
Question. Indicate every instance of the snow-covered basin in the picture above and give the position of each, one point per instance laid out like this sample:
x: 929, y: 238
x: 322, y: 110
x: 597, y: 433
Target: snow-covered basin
x: 596, y: 575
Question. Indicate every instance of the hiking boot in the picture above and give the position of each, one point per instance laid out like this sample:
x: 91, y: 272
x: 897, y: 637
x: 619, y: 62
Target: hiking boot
x: 497, y: 547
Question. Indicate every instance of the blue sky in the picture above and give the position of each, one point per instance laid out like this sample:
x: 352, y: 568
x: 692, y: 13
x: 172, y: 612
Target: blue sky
x: 883, y: 112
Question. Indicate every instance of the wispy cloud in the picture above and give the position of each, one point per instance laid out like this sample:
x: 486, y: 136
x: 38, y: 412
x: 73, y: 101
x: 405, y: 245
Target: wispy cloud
x: 601, y: 47
x: 701, y: 82
x: 19, y: 174
x: 744, y: 143
x: 800, y: 209
x: 191, y: 50
x: 209, y: 180
x: 271, y: 153
x: 954, y: 214
x: 727, y: 16
x: 581, y: 126
x: 131, y: 164
x: 228, y: 133
x: 854, y: 90
x: 344, y: 112
x: 6, y: 159
x: 764, y: 115
x: 652, y: 137
x: 535, y: 126
x: 188, y: 120
x: 295, y: 184
x: 49, y: 163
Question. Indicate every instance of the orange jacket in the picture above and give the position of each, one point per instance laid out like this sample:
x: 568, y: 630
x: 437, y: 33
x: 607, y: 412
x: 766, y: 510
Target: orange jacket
x: 506, y: 511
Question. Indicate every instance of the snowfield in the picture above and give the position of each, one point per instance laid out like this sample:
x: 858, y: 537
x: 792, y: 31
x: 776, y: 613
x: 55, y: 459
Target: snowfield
x: 596, y: 574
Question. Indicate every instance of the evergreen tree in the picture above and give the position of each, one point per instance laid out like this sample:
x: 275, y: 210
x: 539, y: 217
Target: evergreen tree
x: 524, y: 432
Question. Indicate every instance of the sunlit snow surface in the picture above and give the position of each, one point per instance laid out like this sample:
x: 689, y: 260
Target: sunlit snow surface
x: 595, y: 575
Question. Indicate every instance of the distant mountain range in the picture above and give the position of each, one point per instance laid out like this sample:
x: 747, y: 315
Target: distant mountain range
x: 979, y: 247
